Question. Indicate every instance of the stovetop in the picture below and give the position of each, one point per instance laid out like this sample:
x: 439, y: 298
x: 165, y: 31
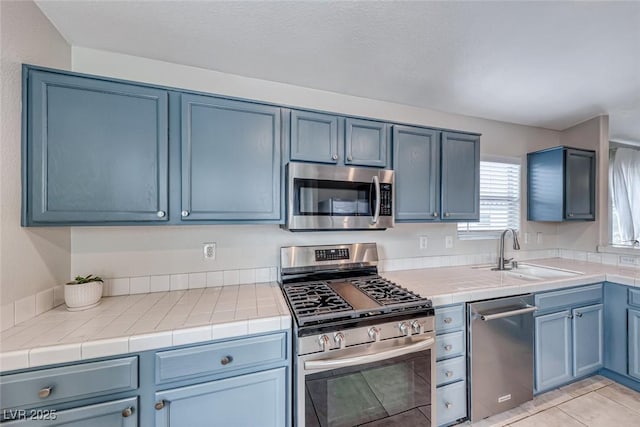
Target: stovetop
x: 317, y: 301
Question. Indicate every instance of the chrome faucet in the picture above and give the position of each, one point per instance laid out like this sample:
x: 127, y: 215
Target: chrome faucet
x: 516, y: 246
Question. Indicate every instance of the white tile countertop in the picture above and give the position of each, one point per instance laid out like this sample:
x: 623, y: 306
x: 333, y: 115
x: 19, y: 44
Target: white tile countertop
x: 452, y: 285
x: 134, y: 323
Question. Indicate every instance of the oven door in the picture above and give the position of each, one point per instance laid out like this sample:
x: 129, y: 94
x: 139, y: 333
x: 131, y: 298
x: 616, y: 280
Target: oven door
x: 371, y: 385
x: 323, y: 197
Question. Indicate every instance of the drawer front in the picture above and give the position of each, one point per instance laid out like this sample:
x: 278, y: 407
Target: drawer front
x: 448, y: 371
x: 449, y: 319
x: 451, y: 402
x: 569, y: 297
x: 45, y: 386
x: 449, y: 345
x: 634, y: 297
x: 220, y: 357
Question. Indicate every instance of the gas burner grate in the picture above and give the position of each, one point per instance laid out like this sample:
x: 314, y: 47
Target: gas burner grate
x: 385, y: 292
x: 315, y: 299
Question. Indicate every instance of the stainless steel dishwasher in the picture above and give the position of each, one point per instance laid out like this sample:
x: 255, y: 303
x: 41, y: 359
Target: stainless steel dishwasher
x: 500, y: 354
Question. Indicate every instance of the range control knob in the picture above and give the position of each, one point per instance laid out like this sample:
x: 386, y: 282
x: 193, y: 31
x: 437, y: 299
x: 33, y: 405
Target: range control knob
x: 374, y: 333
x: 416, y: 326
x: 324, y: 342
x: 338, y: 337
x: 404, y: 328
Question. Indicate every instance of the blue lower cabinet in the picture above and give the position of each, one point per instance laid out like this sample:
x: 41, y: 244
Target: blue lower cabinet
x: 587, y: 339
x: 451, y: 403
x: 117, y: 413
x: 553, y: 350
x: 634, y: 343
x: 257, y: 399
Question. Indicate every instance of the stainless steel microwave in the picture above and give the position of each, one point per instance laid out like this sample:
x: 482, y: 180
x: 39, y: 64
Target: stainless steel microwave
x: 321, y: 197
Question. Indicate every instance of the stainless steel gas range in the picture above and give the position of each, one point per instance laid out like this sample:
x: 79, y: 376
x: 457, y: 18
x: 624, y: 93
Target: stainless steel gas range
x: 364, y: 346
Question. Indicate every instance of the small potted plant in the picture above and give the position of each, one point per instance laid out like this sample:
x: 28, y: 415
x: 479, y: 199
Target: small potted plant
x: 83, y: 292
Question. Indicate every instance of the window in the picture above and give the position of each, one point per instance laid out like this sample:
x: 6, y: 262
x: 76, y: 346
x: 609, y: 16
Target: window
x: 499, y: 200
x: 624, y: 194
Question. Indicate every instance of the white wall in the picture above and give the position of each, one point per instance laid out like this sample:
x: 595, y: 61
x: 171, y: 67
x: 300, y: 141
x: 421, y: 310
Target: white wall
x: 131, y: 251
x: 592, y: 134
x: 31, y: 259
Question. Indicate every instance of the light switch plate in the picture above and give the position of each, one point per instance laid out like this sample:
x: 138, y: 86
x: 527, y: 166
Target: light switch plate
x: 448, y: 242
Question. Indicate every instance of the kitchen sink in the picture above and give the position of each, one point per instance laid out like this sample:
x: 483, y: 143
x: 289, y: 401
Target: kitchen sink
x: 536, y: 272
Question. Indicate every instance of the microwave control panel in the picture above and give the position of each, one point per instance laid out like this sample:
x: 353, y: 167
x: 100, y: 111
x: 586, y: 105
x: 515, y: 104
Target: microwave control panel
x: 386, y: 207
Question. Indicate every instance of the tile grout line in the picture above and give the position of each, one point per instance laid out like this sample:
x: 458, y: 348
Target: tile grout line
x: 620, y: 403
x: 571, y: 416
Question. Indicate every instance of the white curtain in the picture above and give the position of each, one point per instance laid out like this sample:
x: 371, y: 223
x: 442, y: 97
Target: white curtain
x: 625, y: 187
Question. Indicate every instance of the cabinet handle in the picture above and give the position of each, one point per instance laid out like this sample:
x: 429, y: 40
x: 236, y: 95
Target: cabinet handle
x: 160, y: 214
x: 226, y: 360
x: 159, y: 405
x: 334, y: 157
x: 127, y: 412
x: 349, y: 158
x: 571, y: 215
x: 569, y: 316
x: 446, y: 214
x: 448, y: 347
x: 184, y: 213
x: 448, y: 374
x: 45, y: 392
x: 435, y: 214
x: 448, y: 405
x: 448, y: 320
x: 578, y: 314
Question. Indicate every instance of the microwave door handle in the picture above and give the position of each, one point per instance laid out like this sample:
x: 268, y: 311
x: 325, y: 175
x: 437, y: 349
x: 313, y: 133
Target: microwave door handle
x: 376, y: 209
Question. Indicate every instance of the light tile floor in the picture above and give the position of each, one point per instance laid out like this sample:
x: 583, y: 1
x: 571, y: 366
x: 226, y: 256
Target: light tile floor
x: 593, y: 402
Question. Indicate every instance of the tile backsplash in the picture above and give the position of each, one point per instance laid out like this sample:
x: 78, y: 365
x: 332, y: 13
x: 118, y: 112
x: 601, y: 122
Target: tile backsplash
x: 31, y: 306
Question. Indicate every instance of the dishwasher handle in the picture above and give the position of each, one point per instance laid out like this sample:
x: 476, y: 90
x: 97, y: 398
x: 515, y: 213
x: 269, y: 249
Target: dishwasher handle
x: 527, y: 309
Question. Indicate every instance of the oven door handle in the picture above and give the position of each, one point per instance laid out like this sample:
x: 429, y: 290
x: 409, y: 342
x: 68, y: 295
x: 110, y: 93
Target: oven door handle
x: 313, y: 365
x: 376, y: 209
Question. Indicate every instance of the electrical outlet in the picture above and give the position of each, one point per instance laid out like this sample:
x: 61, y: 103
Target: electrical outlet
x: 539, y: 238
x: 209, y: 250
x: 628, y: 260
x: 448, y: 242
x: 423, y: 242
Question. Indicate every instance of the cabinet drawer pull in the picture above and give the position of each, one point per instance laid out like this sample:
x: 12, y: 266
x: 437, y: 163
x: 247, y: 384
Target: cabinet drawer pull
x: 446, y: 214
x: 350, y: 158
x: 45, y: 392
x: 435, y: 214
x: 127, y: 412
x: 159, y: 405
x: 448, y: 320
x: 448, y: 374
x: 184, y: 213
x: 160, y: 214
x: 571, y: 215
x: 578, y: 314
x: 448, y: 347
x: 569, y: 316
x: 448, y: 405
x: 334, y: 157
x: 226, y: 360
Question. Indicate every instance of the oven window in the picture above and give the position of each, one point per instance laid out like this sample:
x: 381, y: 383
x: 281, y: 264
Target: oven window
x: 393, y: 392
x: 332, y: 198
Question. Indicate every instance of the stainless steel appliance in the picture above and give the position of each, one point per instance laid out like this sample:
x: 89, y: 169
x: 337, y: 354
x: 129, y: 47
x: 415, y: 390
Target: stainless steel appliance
x: 500, y: 354
x: 363, y: 346
x: 321, y: 197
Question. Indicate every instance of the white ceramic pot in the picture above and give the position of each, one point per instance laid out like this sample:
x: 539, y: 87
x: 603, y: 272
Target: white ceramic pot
x: 83, y: 296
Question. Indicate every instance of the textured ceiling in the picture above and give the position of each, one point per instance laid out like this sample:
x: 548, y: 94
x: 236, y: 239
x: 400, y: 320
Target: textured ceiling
x: 548, y: 64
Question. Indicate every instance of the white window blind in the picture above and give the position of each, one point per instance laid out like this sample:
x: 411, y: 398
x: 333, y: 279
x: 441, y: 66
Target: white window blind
x: 499, y: 200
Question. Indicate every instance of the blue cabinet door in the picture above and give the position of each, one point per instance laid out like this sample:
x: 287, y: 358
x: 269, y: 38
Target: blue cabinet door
x: 314, y: 137
x: 553, y: 350
x: 118, y: 413
x: 416, y: 161
x: 587, y: 339
x: 460, y: 177
x: 97, y: 151
x: 580, y: 184
x: 247, y: 400
x: 230, y: 160
x: 365, y: 143
x: 615, y: 328
x: 634, y: 343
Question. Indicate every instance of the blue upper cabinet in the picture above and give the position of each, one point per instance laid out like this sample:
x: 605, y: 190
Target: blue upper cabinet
x: 314, y: 137
x: 416, y: 161
x: 561, y: 185
x: 230, y: 160
x: 460, y: 177
x: 95, y: 151
x: 366, y: 143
